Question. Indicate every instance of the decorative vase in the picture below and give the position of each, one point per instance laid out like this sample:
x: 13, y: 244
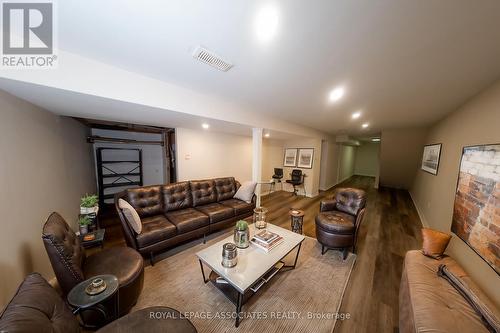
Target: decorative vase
x: 84, y: 229
x: 89, y: 210
x: 259, y: 217
x: 241, y: 235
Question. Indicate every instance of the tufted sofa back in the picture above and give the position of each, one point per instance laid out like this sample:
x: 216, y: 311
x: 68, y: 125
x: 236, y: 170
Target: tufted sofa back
x: 203, y: 192
x: 350, y: 200
x: 147, y: 201
x: 225, y: 188
x: 64, y: 250
x: 177, y: 196
x: 37, y: 307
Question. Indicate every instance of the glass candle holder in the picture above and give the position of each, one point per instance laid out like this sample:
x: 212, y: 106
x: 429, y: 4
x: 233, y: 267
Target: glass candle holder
x: 259, y: 217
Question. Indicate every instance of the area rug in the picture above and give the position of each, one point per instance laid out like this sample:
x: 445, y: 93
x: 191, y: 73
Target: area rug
x: 306, y: 299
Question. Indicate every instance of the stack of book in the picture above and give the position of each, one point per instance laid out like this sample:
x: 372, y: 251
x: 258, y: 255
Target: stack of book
x: 267, y: 240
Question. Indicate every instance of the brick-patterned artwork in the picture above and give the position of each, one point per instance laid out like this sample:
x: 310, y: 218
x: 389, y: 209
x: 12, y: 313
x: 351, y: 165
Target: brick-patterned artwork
x: 476, y: 214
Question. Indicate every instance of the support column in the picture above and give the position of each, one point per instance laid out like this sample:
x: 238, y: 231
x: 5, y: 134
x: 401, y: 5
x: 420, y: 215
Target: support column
x: 257, y: 160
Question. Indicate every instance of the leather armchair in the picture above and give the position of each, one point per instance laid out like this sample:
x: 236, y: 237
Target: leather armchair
x: 339, y: 219
x: 71, y: 265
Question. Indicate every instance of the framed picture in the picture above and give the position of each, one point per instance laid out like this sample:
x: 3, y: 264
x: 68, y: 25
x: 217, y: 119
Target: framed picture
x: 306, y: 156
x: 290, y: 159
x: 476, y: 217
x: 430, y: 159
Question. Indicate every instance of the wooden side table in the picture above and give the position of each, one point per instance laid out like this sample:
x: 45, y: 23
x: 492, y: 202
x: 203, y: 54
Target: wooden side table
x: 297, y: 220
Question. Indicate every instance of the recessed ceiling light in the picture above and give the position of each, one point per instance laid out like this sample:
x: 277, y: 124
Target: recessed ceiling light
x: 356, y: 115
x: 205, y: 126
x: 376, y: 139
x: 267, y: 135
x: 266, y: 23
x: 336, y: 94
x: 365, y: 125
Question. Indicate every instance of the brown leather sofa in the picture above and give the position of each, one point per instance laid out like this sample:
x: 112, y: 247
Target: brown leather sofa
x: 178, y: 212
x: 37, y: 307
x: 339, y: 219
x: 429, y: 303
x: 71, y: 265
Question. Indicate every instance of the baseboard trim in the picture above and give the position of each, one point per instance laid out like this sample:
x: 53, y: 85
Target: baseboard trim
x: 421, y: 216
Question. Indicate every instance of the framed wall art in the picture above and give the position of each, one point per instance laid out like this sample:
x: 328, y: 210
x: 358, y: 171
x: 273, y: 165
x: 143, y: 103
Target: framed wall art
x: 430, y: 158
x: 306, y: 157
x: 290, y: 159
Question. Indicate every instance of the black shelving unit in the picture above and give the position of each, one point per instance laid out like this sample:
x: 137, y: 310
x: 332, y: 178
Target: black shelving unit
x: 111, y: 174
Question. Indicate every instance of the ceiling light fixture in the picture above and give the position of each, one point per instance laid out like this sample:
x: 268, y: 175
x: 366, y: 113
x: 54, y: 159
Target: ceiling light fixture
x: 376, y: 140
x: 205, y: 126
x: 266, y: 23
x: 336, y: 94
x: 365, y: 125
x: 356, y: 115
x: 267, y: 135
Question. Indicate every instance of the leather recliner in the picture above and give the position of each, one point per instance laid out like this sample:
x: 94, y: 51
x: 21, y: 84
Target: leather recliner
x: 339, y: 219
x: 71, y: 265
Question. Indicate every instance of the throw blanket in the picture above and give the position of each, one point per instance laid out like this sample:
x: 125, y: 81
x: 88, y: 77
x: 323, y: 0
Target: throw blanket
x: 488, y: 317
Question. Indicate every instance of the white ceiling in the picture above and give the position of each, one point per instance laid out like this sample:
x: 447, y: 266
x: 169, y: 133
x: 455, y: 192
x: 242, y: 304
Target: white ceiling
x: 402, y: 62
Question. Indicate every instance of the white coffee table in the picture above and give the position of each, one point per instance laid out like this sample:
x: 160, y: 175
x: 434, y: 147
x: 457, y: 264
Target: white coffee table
x: 255, y: 266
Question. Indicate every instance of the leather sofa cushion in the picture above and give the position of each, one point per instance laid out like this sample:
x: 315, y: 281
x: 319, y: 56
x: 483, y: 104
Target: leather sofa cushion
x: 147, y: 201
x: 336, y: 222
x: 140, y: 321
x: 225, y: 188
x: 203, y: 192
x: 177, y: 196
x: 436, y: 306
x: 187, y: 219
x: 123, y: 262
x: 240, y: 207
x: 350, y: 200
x: 434, y: 242
x: 37, y: 306
x: 155, y: 229
x: 216, y: 212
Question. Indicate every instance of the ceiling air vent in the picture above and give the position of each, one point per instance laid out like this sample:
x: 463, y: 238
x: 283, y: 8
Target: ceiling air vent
x: 211, y: 59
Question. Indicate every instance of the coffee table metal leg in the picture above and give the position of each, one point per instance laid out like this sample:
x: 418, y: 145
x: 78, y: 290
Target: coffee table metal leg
x: 238, y: 309
x: 297, y: 256
x: 203, y: 272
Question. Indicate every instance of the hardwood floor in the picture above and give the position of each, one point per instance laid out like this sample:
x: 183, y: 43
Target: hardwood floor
x: 390, y: 228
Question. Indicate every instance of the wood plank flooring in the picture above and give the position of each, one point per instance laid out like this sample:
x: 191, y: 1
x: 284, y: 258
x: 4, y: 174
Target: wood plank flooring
x: 390, y: 228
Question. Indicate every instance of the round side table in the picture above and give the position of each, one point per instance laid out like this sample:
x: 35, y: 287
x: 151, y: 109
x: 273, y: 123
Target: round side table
x: 297, y: 220
x: 80, y: 301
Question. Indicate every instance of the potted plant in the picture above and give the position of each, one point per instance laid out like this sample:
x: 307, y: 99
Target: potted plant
x: 89, y: 204
x: 241, y: 235
x: 83, y: 222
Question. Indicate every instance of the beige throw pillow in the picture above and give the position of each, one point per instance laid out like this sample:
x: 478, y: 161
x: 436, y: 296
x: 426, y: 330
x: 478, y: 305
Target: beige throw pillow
x: 246, y: 191
x: 131, y: 215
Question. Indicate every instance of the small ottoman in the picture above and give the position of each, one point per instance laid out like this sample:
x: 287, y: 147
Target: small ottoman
x: 149, y: 320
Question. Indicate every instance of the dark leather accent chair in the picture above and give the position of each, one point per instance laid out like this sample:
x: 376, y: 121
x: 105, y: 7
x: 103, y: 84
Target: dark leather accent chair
x: 71, y: 265
x: 178, y: 212
x: 297, y: 179
x: 37, y: 307
x: 339, y: 219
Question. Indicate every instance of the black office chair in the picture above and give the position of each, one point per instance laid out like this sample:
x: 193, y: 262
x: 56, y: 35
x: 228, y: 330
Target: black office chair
x: 297, y: 179
x: 278, y: 175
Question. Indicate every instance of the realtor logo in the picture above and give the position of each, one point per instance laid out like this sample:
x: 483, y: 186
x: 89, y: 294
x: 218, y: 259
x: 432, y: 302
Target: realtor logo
x: 28, y: 35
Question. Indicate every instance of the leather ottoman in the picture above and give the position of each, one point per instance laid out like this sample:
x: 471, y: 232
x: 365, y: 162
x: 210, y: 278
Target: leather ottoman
x: 149, y: 320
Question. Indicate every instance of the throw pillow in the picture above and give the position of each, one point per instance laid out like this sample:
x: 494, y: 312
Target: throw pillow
x: 246, y: 191
x: 131, y: 215
x: 434, y: 243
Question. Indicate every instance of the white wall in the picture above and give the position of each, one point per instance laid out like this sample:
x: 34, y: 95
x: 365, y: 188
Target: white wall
x: 367, y: 159
x: 312, y: 180
x: 152, y: 155
x: 205, y: 154
x: 347, y: 155
x: 46, y: 166
x: 330, y: 154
